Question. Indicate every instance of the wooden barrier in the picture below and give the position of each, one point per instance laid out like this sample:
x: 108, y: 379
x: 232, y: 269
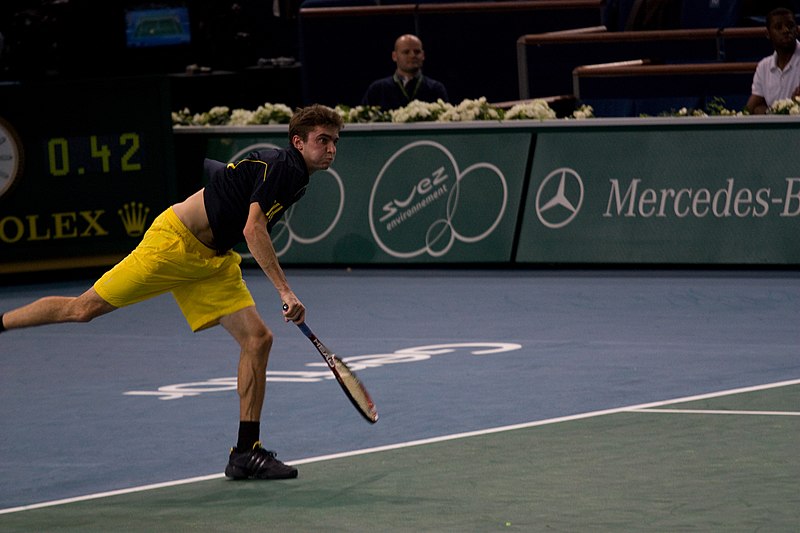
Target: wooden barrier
x: 626, y: 69
x: 449, y: 8
x: 654, y: 89
x: 545, y: 61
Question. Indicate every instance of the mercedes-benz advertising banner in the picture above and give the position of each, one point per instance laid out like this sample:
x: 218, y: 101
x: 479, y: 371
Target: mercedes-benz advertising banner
x: 679, y: 195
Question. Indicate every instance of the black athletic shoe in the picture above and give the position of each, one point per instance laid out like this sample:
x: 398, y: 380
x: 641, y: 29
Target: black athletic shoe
x: 257, y: 463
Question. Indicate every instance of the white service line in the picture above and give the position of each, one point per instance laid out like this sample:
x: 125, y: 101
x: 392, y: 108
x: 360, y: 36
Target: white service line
x: 715, y: 412
x: 647, y: 407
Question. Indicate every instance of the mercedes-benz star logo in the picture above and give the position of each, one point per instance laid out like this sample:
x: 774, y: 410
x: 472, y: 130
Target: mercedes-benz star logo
x: 563, y: 204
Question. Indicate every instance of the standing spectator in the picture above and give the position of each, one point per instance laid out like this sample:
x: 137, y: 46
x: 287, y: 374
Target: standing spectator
x: 777, y: 77
x: 407, y: 83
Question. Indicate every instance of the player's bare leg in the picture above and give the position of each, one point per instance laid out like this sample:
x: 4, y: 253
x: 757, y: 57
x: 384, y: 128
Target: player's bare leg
x: 255, y: 341
x: 57, y: 309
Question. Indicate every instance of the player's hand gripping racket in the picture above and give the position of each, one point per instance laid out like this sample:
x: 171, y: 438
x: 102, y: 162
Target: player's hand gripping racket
x: 346, y: 378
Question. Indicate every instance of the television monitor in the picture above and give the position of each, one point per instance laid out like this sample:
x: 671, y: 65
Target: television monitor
x: 153, y: 27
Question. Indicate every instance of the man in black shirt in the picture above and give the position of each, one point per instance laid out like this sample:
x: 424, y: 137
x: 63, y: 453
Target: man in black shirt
x: 187, y: 251
x: 407, y: 83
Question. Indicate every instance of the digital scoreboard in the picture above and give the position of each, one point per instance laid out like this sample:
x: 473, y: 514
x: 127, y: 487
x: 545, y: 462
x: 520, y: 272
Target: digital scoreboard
x: 84, y: 167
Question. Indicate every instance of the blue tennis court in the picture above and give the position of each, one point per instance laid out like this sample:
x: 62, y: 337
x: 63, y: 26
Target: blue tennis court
x: 509, y: 400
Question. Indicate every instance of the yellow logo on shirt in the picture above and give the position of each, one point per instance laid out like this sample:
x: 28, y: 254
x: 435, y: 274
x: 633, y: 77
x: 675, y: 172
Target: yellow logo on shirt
x: 266, y: 166
x: 274, y: 210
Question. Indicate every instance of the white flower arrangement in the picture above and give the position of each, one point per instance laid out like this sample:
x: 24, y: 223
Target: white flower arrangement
x: 536, y: 109
x: 182, y: 117
x: 583, y: 112
x: 730, y: 113
x: 786, y: 106
x: 418, y: 111
x: 241, y: 117
x: 440, y: 111
x: 684, y: 112
x: 471, y: 110
x: 272, y: 114
x: 716, y: 107
x: 216, y: 116
x: 223, y: 116
x: 362, y: 114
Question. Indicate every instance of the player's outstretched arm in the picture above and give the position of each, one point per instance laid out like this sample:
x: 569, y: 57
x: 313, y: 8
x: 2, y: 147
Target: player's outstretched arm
x: 260, y: 245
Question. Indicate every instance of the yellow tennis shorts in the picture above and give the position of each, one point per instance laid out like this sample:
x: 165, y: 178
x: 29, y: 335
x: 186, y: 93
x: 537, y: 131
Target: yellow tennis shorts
x: 206, y: 286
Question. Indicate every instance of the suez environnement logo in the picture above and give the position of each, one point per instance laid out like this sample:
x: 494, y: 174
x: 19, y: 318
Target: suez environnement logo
x: 422, y: 202
x: 358, y: 363
x: 560, y: 198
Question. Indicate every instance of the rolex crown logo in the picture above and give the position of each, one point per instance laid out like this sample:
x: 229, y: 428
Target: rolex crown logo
x: 134, y: 218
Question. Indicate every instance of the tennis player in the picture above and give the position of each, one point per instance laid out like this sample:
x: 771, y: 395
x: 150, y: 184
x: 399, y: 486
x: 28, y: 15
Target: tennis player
x: 188, y: 251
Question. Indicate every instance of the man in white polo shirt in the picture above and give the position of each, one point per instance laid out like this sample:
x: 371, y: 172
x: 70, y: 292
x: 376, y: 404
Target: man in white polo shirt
x: 777, y: 77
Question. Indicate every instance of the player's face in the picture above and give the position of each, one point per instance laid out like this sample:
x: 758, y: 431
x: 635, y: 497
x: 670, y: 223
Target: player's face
x: 319, y: 149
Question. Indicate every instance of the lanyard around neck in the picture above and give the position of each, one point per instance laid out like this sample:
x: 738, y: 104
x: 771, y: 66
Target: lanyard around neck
x: 400, y: 84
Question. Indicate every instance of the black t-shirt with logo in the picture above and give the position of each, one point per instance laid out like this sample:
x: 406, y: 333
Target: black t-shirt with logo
x: 275, y: 178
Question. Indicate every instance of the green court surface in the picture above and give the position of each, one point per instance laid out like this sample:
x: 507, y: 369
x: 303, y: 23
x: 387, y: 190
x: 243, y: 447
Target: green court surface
x: 724, y: 461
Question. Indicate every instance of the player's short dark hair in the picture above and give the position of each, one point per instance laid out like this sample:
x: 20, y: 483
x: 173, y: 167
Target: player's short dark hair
x: 307, y: 118
x: 778, y: 12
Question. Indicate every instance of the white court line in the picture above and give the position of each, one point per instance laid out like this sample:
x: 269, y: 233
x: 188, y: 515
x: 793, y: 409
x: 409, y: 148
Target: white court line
x: 420, y: 442
x: 716, y: 412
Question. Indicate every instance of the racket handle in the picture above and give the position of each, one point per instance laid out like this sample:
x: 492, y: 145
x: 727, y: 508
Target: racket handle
x: 302, y: 325
x: 306, y: 330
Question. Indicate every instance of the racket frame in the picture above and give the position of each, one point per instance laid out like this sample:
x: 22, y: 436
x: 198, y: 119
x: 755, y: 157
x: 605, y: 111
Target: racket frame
x: 369, y: 413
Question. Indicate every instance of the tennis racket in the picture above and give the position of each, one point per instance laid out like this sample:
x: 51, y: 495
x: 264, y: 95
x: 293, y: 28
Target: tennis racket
x: 350, y: 384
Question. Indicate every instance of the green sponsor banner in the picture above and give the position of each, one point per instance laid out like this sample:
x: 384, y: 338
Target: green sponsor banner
x: 408, y: 197
x: 679, y: 195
